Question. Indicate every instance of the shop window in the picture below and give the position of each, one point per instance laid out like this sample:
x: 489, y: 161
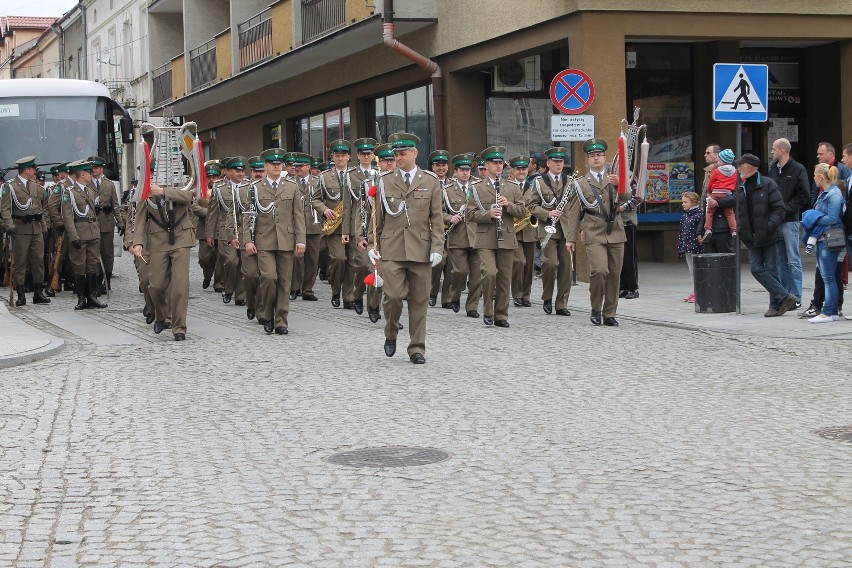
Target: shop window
x: 314, y: 133
x: 272, y: 135
x: 520, y: 124
x: 408, y: 111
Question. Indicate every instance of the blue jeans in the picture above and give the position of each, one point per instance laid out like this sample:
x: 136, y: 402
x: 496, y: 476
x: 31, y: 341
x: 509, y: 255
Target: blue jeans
x: 764, y: 268
x: 827, y: 262
x: 790, y: 259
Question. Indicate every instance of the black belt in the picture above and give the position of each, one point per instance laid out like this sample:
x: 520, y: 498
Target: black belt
x: 28, y: 218
x: 85, y: 220
x: 169, y: 226
x: 106, y: 209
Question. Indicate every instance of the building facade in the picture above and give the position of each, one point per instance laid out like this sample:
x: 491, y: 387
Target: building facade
x: 21, y: 41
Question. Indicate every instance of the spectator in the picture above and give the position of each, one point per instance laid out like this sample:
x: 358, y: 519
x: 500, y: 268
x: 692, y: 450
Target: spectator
x: 722, y: 183
x: 792, y: 180
x: 720, y: 240
x: 687, y: 241
x: 711, y: 158
x: 830, y: 204
x: 760, y: 212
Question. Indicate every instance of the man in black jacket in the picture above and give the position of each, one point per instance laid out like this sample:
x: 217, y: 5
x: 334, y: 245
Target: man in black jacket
x: 760, y: 212
x: 793, y: 183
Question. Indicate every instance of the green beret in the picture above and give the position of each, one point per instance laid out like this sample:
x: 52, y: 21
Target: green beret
x: 493, y: 153
x: 255, y: 163
x: 325, y: 166
x: 366, y: 144
x: 274, y: 155
x: 439, y: 156
x: 594, y: 145
x: 97, y: 161
x: 403, y: 140
x: 519, y: 162
x: 300, y: 158
x: 340, y: 146
x: 462, y: 160
x: 384, y: 151
x: 558, y: 153
x: 82, y: 166
x: 24, y: 163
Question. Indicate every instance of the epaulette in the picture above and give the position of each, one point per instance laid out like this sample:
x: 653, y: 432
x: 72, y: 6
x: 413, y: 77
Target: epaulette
x: 474, y: 181
x: 383, y: 174
x: 431, y: 173
x: 513, y: 181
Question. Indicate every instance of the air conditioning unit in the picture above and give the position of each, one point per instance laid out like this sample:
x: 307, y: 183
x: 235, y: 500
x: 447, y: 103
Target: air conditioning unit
x: 520, y: 75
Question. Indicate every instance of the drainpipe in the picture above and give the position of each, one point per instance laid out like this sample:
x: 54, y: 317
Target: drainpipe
x: 57, y: 29
x: 421, y: 61
x: 85, y: 41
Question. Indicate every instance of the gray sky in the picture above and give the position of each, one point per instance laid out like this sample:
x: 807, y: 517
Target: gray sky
x: 35, y: 7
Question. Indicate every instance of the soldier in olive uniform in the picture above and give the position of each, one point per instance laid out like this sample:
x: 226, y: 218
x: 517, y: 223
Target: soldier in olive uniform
x: 221, y: 223
x: 543, y: 199
x: 140, y: 262
x: 80, y: 217
x: 522, y: 268
x: 305, y: 266
x: 410, y: 229
x: 494, y: 234
x: 274, y: 232
x: 24, y: 216
x: 334, y: 184
x: 247, y: 280
x: 107, y: 202
x: 464, y: 259
x: 439, y: 162
x: 385, y: 163
x: 595, y: 209
x: 357, y: 212
x: 206, y: 252
x: 61, y: 182
x: 162, y: 224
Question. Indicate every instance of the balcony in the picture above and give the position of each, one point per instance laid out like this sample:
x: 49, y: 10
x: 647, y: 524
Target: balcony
x: 161, y: 84
x: 202, y: 65
x: 321, y: 17
x: 255, y: 40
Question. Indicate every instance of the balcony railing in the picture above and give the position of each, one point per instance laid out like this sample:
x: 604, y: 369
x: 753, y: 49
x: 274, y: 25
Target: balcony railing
x: 255, y: 36
x: 320, y: 17
x: 161, y: 79
x: 202, y: 65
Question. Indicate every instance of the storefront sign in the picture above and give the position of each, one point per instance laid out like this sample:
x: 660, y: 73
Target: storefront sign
x: 572, y: 127
x: 572, y: 91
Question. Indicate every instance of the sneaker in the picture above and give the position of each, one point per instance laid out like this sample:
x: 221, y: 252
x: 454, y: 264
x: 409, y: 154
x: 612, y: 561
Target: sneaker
x: 810, y: 312
x: 787, y: 304
x: 849, y: 318
x: 822, y: 318
x: 772, y: 313
x: 690, y: 299
x: 836, y: 318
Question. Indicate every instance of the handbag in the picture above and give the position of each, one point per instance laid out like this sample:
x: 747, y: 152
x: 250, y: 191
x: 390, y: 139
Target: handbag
x: 835, y: 239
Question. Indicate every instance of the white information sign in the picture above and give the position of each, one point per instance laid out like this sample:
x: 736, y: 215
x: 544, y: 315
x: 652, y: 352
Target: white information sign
x: 572, y: 127
x: 9, y: 110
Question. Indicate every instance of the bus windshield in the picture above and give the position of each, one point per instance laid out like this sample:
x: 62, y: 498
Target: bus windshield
x: 54, y: 129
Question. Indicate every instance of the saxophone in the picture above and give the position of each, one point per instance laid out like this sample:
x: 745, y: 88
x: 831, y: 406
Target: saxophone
x: 331, y: 225
x: 526, y: 221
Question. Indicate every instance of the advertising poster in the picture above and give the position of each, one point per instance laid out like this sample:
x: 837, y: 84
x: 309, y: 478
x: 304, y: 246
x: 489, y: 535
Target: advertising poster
x: 681, y: 178
x: 657, y: 187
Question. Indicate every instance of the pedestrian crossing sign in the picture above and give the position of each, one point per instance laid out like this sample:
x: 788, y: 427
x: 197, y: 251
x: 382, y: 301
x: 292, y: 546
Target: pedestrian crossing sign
x: 740, y: 92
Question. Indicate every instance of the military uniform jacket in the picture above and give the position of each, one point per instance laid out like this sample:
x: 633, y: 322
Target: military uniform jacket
x: 78, y: 213
x: 54, y: 201
x: 353, y: 202
x: 106, y: 203
x: 32, y: 217
x: 412, y: 237
x: 153, y: 217
x: 280, y: 219
x: 586, y: 213
x: 542, y: 198
x: 485, y: 228
x: 198, y: 211
x: 220, y: 212
x: 454, y: 199
x: 330, y: 194
x: 313, y: 221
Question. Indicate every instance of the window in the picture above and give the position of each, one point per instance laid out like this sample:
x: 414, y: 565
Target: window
x: 521, y: 124
x: 127, y: 40
x: 272, y: 135
x: 314, y: 133
x: 96, y: 61
x: 408, y: 111
x: 95, y: 16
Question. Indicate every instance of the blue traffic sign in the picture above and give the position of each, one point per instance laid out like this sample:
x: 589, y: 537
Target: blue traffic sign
x: 740, y: 92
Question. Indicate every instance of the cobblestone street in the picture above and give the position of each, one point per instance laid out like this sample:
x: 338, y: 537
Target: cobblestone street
x: 569, y: 445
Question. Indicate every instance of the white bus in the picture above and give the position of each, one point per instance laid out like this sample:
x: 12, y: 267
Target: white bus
x: 60, y: 120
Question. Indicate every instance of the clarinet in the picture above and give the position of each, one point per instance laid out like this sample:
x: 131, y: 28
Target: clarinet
x: 499, y: 219
x: 567, y: 192
x: 453, y: 225
x: 363, y: 199
x: 252, y: 212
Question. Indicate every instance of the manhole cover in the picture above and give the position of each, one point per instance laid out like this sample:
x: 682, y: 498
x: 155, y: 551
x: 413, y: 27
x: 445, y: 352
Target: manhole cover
x: 836, y: 433
x: 389, y: 457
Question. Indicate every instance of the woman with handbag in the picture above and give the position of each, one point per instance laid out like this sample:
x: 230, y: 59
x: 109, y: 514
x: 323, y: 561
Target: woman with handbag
x: 828, y: 230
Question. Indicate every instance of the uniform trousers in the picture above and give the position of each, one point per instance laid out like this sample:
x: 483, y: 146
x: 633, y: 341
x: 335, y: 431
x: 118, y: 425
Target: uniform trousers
x: 630, y: 266
x: 206, y: 258
x: 522, y: 270
x: 169, y: 285
x: 410, y: 281
x: 276, y: 270
x: 305, y: 267
x: 107, y: 251
x: 84, y: 260
x: 29, y: 254
x: 496, y: 270
x: 144, y: 274
x: 336, y: 262
x: 465, y: 266
x: 218, y: 271
x: 441, y: 269
x: 230, y: 258
x: 556, y: 270
x: 357, y: 267
x: 604, y: 276
x: 250, y: 275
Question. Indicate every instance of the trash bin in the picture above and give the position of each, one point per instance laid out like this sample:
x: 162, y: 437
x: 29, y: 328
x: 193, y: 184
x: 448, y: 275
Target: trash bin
x: 715, y: 283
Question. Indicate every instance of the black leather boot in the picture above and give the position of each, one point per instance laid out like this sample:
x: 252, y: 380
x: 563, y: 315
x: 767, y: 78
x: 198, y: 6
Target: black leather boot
x: 80, y: 288
x: 48, y: 291
x: 92, y: 286
x: 22, y: 297
x: 38, y: 295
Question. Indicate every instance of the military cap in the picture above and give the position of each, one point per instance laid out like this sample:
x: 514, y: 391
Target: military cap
x: 557, y: 153
x: 315, y: 162
x: 212, y: 168
x: 97, y: 161
x: 55, y: 170
x: 40, y: 175
x: 493, y: 154
x: 480, y: 163
x: 340, y: 146
x: 403, y: 140
x: 366, y: 145
x: 594, y: 145
x: 519, y: 162
x: 273, y: 155
x: 439, y: 156
x: 210, y: 162
x: 325, y: 166
x: 300, y: 158
x: 255, y: 163
x: 85, y: 165
x: 63, y: 167
x: 384, y: 151
x: 237, y: 162
x: 462, y: 161
x: 24, y: 163
x: 223, y: 162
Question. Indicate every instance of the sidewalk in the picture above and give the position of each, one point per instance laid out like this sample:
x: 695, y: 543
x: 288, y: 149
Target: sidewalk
x: 22, y: 343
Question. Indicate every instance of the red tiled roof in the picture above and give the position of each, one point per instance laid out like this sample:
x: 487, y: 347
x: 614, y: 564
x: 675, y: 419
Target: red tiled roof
x: 9, y: 23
